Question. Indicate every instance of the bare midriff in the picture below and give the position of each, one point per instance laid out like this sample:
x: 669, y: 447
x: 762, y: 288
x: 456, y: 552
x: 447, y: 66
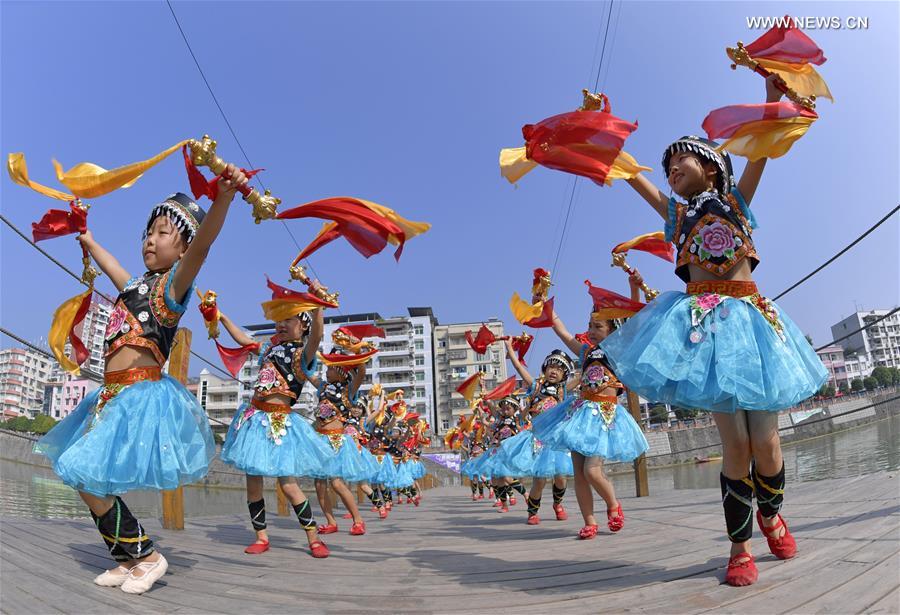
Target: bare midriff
x: 127, y: 357
x: 740, y: 271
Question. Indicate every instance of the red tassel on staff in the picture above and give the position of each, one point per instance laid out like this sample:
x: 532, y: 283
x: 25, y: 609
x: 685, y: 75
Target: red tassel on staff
x: 59, y: 222
x: 200, y: 186
x: 480, y: 342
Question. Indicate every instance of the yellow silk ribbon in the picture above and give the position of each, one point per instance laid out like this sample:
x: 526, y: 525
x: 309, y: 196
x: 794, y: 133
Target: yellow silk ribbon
x: 60, y: 328
x: 802, y: 78
x: 86, y: 180
x: 514, y: 165
x: 767, y: 138
x: 282, y: 309
x: 524, y: 311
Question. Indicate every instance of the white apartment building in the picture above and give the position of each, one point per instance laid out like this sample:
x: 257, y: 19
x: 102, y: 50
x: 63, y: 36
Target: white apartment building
x: 405, y: 358
x: 24, y: 373
x: 877, y: 346
x: 455, y: 361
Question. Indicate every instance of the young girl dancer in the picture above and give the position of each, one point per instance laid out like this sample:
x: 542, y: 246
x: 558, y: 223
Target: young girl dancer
x: 265, y: 437
x: 721, y: 346
x: 592, y: 424
x: 337, y: 392
x: 506, y: 426
x: 142, y: 429
x: 525, y: 455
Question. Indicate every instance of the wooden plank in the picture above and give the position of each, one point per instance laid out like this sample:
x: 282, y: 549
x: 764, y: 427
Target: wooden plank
x: 179, y: 360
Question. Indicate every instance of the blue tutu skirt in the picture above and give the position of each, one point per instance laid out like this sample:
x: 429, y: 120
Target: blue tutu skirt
x: 734, y: 358
x: 418, y: 469
x: 387, y: 472
x: 348, y: 462
x: 524, y: 455
x: 152, y: 435
x: 578, y: 425
x: 466, y: 468
x: 253, y: 446
x: 403, y: 477
x: 488, y: 465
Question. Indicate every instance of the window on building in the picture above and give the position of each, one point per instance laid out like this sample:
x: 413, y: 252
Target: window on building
x: 420, y: 344
x: 420, y: 360
x: 419, y: 330
x: 420, y: 376
x: 442, y: 344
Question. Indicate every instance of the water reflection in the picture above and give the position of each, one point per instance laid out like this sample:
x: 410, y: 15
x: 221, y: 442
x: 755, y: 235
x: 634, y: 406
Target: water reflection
x: 32, y: 491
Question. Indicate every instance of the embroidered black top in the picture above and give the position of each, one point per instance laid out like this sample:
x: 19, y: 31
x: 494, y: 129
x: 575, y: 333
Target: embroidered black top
x: 712, y: 232
x: 145, y: 315
x: 281, y: 369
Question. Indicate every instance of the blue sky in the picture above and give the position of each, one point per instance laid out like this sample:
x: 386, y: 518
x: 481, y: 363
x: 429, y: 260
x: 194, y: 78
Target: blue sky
x: 408, y: 104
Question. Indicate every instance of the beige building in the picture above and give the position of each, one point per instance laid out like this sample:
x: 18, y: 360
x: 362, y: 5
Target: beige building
x: 24, y: 373
x: 454, y: 361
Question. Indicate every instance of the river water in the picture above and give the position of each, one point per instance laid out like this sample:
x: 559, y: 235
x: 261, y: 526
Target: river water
x: 31, y: 491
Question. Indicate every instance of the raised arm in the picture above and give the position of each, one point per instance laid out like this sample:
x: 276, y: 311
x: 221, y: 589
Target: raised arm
x: 236, y: 333
x: 315, y: 336
x: 514, y: 359
x: 653, y: 195
x: 753, y: 171
x: 358, y: 375
x: 209, y: 229
x: 106, y: 261
x: 567, y: 338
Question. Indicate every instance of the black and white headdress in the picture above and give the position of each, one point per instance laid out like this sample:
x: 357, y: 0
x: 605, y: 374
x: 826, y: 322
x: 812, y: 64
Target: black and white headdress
x: 706, y: 150
x: 558, y: 357
x: 184, y: 213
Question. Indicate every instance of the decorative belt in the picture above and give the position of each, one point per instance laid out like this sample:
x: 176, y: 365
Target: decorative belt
x: 125, y: 377
x: 335, y: 437
x: 330, y: 432
x: 269, y: 407
x: 729, y: 288
x: 588, y: 395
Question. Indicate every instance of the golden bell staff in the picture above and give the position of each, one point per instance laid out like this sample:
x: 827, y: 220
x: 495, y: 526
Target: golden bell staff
x: 618, y: 260
x: 298, y: 272
x: 740, y: 57
x: 203, y: 154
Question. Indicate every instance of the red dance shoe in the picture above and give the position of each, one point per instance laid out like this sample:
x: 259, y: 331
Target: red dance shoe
x: 491, y: 493
x: 481, y: 496
x: 409, y: 500
x: 319, y: 550
x: 497, y: 503
x: 561, y: 514
x: 347, y: 516
x: 328, y: 529
x: 782, y: 548
x: 382, y: 513
x: 587, y: 532
x: 512, y: 500
x: 358, y: 529
x: 257, y: 547
x: 533, y: 520
x: 618, y: 522
x: 474, y: 497
x: 374, y: 509
x: 741, y: 570
x: 503, y: 508
x: 417, y: 500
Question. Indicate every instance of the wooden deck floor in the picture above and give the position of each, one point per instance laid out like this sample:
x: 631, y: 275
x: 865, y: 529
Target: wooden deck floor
x: 454, y: 555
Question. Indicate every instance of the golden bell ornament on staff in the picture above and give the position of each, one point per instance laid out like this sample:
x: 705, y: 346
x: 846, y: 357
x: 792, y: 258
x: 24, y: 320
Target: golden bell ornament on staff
x: 618, y: 260
x: 203, y: 154
x: 298, y: 272
x: 740, y: 57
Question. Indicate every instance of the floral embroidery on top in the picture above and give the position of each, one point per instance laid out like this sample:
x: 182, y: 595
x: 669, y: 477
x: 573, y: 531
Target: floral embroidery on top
x: 715, y: 240
x: 116, y: 320
x: 164, y: 316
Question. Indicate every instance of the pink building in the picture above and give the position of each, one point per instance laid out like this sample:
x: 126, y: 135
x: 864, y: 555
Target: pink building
x: 832, y: 358
x: 64, y: 396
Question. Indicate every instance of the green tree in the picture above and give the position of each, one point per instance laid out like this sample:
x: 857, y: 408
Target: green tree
x: 659, y: 414
x: 856, y: 385
x: 20, y: 423
x: 42, y: 424
x: 870, y: 383
x: 827, y: 391
x: 883, y: 375
x: 809, y: 339
x: 684, y: 413
x: 895, y: 374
